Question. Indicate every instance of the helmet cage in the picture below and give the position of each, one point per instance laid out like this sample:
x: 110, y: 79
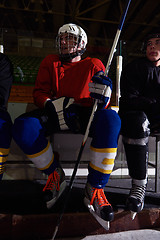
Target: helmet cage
x: 75, y: 41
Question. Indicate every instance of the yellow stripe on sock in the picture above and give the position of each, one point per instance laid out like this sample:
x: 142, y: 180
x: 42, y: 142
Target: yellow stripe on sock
x: 3, y: 159
x: 107, y: 161
x: 2, y: 168
x: 39, y: 153
x: 104, y: 150
x: 100, y: 169
x: 4, y: 151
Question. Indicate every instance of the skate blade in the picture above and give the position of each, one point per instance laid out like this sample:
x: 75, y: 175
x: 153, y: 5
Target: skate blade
x: 103, y: 223
x: 133, y: 215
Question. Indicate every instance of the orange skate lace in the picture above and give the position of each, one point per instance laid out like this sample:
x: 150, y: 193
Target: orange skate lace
x: 53, y: 181
x: 100, y: 196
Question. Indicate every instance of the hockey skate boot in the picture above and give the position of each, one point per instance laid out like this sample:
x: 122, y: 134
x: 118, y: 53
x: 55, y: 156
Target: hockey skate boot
x: 135, y: 201
x: 95, y: 200
x: 54, y: 187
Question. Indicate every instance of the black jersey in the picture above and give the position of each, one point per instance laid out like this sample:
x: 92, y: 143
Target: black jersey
x: 140, y: 87
x: 6, y: 79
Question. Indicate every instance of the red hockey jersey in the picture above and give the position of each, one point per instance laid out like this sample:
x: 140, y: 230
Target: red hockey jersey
x: 56, y: 80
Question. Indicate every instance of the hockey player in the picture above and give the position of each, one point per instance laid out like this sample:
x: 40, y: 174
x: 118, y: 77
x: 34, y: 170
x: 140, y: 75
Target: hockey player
x: 62, y: 94
x: 6, y: 79
x: 140, y: 115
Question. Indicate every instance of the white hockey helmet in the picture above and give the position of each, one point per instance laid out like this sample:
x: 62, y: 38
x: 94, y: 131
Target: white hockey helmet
x: 81, y: 40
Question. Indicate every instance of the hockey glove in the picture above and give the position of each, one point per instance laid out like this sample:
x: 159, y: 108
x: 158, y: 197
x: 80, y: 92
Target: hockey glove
x: 65, y: 112
x: 101, y: 89
x: 53, y: 122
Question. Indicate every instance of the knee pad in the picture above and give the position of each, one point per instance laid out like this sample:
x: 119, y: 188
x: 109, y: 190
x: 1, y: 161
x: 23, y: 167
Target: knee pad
x: 135, y: 125
x: 29, y: 134
x: 105, y: 129
x: 107, y: 119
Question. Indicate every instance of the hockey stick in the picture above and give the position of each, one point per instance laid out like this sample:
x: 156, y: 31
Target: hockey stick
x: 90, y: 120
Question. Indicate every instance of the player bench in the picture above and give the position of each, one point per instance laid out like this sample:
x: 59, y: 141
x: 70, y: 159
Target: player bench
x: 68, y: 145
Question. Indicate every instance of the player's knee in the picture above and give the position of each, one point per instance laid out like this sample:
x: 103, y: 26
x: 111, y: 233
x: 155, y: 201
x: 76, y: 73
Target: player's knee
x: 135, y: 125
x: 25, y: 129
x: 109, y: 119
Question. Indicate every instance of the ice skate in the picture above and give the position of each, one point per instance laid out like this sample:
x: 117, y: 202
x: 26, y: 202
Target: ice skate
x: 54, y: 187
x: 135, y: 201
x: 95, y: 200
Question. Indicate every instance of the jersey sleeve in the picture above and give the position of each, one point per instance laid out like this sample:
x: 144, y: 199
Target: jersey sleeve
x: 43, y: 89
x: 98, y: 65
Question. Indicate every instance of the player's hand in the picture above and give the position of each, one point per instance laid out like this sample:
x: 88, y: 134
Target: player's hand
x: 63, y: 111
x: 101, y: 88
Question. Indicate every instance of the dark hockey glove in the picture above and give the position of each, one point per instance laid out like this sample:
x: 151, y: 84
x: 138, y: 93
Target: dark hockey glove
x: 101, y: 89
x: 50, y: 111
x: 65, y: 112
x: 71, y: 118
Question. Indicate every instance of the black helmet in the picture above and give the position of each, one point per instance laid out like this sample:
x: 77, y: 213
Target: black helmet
x: 153, y: 34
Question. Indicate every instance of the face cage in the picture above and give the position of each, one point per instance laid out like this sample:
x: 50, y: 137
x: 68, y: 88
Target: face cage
x: 74, y: 42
